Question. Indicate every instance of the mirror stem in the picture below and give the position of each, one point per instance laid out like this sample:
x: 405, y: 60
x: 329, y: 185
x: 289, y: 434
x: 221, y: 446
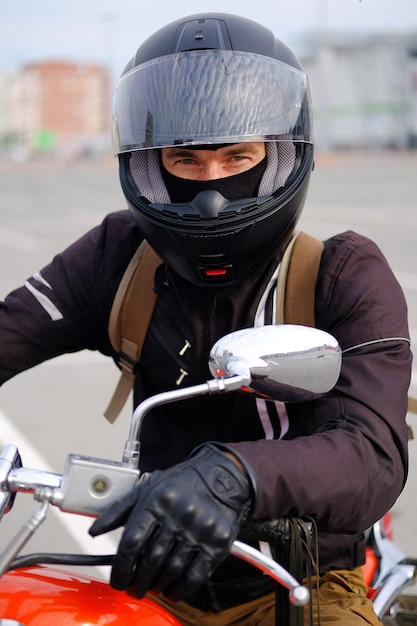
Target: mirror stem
x: 215, y: 386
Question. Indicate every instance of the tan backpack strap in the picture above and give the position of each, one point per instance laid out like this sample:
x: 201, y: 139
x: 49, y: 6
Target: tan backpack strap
x: 281, y: 281
x: 130, y: 317
x: 297, y: 279
x: 412, y: 404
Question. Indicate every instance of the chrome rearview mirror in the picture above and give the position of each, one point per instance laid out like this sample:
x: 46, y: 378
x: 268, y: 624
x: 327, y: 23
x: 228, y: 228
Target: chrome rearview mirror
x: 285, y: 362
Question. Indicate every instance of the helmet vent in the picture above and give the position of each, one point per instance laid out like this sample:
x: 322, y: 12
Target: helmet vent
x: 201, y: 34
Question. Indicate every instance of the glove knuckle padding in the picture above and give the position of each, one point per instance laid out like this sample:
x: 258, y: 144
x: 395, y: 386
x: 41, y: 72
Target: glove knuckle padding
x: 182, y: 524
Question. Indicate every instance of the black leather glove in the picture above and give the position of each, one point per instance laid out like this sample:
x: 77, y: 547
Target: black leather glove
x: 180, y: 524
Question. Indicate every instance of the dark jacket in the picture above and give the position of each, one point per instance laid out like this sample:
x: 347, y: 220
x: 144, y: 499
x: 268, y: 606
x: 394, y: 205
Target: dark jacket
x: 341, y: 459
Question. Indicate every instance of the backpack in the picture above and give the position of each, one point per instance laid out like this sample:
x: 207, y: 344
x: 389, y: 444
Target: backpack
x: 295, y: 295
x: 295, y: 304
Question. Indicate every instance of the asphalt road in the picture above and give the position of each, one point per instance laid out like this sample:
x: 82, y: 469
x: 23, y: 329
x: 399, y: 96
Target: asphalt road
x: 57, y: 407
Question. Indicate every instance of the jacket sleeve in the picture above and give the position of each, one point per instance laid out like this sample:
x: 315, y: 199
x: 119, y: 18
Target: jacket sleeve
x: 65, y: 306
x: 350, y: 465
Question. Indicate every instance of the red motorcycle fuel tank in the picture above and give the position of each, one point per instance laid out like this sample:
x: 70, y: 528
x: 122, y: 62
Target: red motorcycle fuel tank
x: 44, y: 596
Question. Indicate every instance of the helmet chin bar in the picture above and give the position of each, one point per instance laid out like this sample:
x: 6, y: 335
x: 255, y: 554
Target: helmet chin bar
x: 205, y: 233
x: 213, y: 249
x: 208, y: 204
x: 214, y: 258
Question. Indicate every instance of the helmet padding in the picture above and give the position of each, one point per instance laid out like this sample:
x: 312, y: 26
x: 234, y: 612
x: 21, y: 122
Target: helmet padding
x: 146, y: 172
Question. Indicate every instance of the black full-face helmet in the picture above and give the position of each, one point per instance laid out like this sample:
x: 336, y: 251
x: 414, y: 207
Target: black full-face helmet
x: 206, y: 80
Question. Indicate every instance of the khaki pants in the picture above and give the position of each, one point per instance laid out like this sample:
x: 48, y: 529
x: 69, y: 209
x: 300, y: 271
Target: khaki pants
x: 342, y: 601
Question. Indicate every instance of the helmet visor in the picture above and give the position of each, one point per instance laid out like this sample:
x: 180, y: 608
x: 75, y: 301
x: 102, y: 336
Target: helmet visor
x: 209, y: 97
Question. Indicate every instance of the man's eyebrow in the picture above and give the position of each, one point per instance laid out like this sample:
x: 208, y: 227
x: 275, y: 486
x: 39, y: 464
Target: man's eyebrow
x: 229, y: 151
x: 240, y: 149
x: 179, y: 152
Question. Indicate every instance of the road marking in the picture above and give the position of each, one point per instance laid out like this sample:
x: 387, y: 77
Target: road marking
x: 75, y: 525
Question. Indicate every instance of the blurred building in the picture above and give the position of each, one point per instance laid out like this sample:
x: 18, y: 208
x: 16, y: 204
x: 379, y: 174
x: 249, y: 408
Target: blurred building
x: 54, y: 104
x: 364, y: 89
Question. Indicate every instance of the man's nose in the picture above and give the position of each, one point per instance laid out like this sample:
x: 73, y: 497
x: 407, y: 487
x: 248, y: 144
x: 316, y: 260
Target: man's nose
x: 212, y: 171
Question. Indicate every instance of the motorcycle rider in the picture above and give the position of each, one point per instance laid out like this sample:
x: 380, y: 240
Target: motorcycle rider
x: 212, y: 128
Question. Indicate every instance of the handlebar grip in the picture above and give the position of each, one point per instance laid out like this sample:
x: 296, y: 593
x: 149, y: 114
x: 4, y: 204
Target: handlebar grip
x: 298, y: 594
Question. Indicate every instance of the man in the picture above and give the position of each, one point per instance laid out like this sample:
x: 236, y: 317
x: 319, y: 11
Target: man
x: 212, y: 125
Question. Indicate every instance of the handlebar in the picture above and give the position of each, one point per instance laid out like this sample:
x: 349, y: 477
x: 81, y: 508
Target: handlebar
x: 89, y: 486
x: 298, y: 595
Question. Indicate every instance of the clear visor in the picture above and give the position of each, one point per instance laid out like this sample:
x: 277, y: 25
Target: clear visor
x: 210, y: 96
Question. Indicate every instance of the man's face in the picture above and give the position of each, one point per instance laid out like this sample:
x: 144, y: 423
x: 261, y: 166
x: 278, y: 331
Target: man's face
x: 200, y: 164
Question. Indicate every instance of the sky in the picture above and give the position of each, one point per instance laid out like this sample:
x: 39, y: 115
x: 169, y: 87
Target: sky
x: 109, y: 31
